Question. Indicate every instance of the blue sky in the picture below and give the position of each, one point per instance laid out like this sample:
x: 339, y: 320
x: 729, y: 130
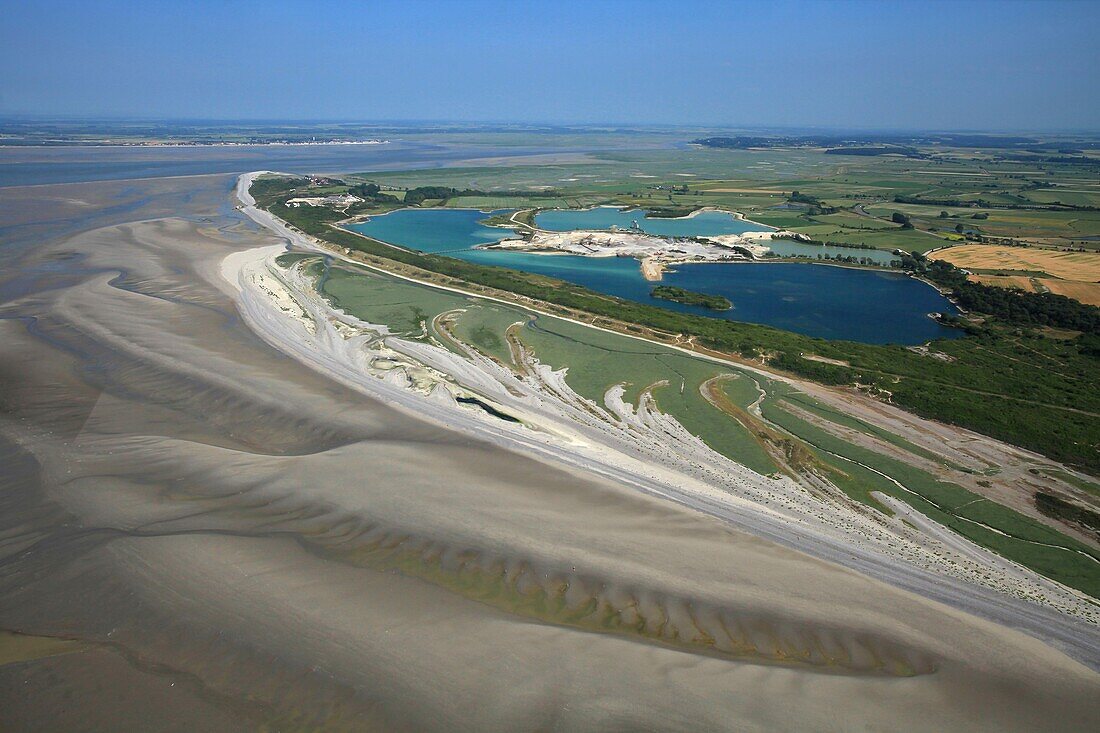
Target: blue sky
x: 943, y: 65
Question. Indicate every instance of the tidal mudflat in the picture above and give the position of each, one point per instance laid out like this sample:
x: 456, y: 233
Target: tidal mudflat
x: 233, y: 530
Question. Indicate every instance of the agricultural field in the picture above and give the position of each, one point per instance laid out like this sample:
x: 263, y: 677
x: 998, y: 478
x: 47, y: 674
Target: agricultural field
x: 1016, y: 282
x: 887, y: 239
x: 1079, y: 229
x: 1073, y: 274
x: 1079, y: 266
x: 1084, y: 292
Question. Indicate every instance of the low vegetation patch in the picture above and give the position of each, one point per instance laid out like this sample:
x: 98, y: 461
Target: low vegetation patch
x: 690, y: 297
x: 1068, y: 511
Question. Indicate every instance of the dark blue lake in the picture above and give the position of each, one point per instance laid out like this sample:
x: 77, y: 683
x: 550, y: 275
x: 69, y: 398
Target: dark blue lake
x: 816, y: 300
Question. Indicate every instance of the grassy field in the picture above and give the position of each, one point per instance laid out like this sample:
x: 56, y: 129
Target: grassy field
x: 1013, y: 535
x: 1050, y: 228
x: 596, y: 360
x: 490, y: 203
x: 886, y: 239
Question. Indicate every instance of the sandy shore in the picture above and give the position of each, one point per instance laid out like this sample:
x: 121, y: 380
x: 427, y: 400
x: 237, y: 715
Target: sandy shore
x: 652, y: 269
x: 237, y: 539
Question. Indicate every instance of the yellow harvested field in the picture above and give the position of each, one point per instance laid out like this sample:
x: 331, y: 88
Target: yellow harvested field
x: 743, y: 190
x: 1084, y: 292
x: 1080, y: 266
x: 1019, y: 282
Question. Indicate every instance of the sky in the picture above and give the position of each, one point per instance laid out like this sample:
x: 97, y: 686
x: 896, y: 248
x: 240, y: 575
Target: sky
x: 884, y: 65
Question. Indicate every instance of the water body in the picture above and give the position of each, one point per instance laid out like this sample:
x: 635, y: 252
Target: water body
x: 825, y: 302
x: 434, y: 230
x: 27, y: 166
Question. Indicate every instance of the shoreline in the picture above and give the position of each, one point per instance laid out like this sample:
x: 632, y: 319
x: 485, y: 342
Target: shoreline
x: 197, y: 145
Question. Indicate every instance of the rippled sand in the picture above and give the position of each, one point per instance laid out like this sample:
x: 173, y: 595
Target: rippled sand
x: 234, y: 541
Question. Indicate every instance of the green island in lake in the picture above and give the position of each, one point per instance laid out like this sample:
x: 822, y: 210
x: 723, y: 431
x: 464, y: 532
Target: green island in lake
x: 690, y: 297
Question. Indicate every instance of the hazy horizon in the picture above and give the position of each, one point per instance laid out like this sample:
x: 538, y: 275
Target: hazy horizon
x: 474, y: 124
x: 1007, y: 66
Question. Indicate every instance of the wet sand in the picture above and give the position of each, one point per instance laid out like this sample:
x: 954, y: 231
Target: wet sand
x: 236, y: 540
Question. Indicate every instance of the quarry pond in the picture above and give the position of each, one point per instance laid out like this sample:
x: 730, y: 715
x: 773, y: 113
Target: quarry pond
x: 829, y: 302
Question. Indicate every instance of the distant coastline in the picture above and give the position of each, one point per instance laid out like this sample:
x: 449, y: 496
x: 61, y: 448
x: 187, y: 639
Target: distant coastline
x: 190, y: 144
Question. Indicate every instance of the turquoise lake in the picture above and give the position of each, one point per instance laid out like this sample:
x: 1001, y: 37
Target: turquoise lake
x: 815, y: 300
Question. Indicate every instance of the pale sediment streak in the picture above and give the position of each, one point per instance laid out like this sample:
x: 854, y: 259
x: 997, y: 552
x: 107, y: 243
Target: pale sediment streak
x: 641, y: 447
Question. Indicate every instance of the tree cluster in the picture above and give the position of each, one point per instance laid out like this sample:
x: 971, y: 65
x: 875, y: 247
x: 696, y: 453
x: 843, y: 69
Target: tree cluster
x: 817, y: 206
x: 371, y: 192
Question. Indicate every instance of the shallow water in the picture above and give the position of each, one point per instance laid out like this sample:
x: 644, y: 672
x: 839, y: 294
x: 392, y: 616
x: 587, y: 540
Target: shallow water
x: 27, y: 166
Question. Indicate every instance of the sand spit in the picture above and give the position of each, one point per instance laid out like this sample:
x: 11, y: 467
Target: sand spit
x: 241, y: 541
x: 652, y: 269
